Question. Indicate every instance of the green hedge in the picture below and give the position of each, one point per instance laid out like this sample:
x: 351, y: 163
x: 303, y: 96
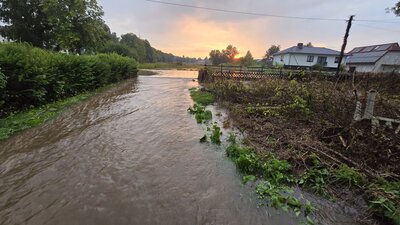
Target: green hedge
x: 31, y: 76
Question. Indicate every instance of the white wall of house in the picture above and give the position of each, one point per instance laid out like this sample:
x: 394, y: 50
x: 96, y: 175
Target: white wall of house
x: 301, y: 60
x: 388, y: 63
x: 385, y: 64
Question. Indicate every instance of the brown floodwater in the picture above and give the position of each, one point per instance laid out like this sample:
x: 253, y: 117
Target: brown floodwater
x: 129, y: 155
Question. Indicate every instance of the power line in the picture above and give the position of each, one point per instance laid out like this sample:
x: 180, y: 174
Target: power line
x: 376, y: 28
x: 270, y: 15
x: 244, y: 13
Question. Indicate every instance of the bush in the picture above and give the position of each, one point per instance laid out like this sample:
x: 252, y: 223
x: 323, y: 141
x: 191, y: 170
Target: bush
x: 32, y: 76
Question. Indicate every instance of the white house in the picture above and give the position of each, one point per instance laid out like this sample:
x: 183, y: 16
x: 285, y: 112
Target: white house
x: 374, y: 58
x: 301, y: 56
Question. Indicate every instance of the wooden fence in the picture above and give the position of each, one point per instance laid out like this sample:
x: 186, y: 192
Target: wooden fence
x: 250, y: 73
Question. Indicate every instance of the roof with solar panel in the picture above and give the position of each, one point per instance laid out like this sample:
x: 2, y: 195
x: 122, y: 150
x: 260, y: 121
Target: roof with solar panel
x: 370, y: 54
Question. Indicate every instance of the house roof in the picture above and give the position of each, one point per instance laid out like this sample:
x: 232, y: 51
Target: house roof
x: 370, y: 54
x: 308, y: 50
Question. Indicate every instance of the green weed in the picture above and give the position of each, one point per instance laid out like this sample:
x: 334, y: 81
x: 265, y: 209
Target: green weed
x: 216, y: 134
x: 201, y: 114
x: 202, y: 97
x: 348, y: 177
x: 384, y: 198
x: 317, y: 178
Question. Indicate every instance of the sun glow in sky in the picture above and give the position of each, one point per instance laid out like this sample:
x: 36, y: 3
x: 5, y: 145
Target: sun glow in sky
x: 195, y: 32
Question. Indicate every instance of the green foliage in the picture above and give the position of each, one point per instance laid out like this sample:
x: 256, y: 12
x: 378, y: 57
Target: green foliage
x: 318, y: 67
x: 317, y: 178
x: 35, y: 77
x: 202, y: 97
x: 298, y: 75
x: 3, y: 83
x: 384, y: 198
x: 276, y: 178
x: 25, y: 21
x: 76, y: 25
x: 201, y: 114
x: 271, y: 51
x: 227, y: 55
x: 34, y: 117
x: 247, y: 60
x: 348, y: 177
x: 216, y: 134
x: 249, y: 178
x: 118, y: 48
x: 68, y: 25
x: 396, y: 9
x: 232, y: 138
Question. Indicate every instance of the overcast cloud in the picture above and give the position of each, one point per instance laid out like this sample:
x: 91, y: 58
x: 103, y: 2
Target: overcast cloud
x: 194, y: 32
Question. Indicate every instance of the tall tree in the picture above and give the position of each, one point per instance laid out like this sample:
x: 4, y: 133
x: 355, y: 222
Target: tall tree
x: 217, y: 57
x: 131, y: 40
x: 230, y: 52
x: 77, y: 24
x: 24, y: 20
x: 247, y: 60
x: 309, y: 44
x: 396, y: 9
x: 272, y: 50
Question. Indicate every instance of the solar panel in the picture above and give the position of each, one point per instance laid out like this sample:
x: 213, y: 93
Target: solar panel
x: 356, y: 50
x: 383, y: 47
x: 368, y: 49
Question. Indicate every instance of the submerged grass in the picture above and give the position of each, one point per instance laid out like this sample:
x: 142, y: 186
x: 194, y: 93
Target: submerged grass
x: 31, y: 118
x: 201, y: 97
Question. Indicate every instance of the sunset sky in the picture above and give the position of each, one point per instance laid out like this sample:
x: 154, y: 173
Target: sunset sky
x: 194, y: 32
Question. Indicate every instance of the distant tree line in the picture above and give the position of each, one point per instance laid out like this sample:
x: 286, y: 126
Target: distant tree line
x: 229, y: 56
x: 75, y: 26
x: 132, y: 46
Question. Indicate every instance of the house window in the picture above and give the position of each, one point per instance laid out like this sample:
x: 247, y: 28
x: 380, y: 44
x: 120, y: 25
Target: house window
x: 310, y: 58
x: 281, y: 58
x: 336, y: 59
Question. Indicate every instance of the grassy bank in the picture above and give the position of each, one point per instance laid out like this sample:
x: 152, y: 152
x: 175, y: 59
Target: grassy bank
x: 168, y: 66
x: 20, y: 121
x: 302, y: 134
x: 15, y: 123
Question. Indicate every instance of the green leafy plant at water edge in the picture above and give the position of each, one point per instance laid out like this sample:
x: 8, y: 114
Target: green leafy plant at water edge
x: 384, y: 197
x: 317, y: 178
x: 202, y: 97
x: 348, y: 177
x: 216, y: 134
x: 201, y: 114
x: 275, y: 175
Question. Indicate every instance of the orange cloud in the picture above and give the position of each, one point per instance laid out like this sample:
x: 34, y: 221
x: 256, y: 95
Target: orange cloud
x: 195, y: 37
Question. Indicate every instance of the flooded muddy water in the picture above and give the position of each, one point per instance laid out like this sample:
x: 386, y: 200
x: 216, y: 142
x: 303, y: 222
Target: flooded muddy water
x: 130, y: 155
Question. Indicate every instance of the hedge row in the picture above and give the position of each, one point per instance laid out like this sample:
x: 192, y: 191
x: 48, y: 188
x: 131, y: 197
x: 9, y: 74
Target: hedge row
x: 31, y: 76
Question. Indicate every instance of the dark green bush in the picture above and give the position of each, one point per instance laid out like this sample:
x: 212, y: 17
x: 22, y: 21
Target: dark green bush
x: 32, y: 76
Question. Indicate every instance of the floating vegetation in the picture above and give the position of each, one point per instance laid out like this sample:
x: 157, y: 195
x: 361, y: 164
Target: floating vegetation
x: 201, y: 114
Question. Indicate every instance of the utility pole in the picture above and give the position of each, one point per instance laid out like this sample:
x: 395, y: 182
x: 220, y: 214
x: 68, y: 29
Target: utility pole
x: 344, y: 44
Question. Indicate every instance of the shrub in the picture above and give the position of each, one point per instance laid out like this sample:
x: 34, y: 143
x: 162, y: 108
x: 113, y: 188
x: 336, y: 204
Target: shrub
x: 35, y: 76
